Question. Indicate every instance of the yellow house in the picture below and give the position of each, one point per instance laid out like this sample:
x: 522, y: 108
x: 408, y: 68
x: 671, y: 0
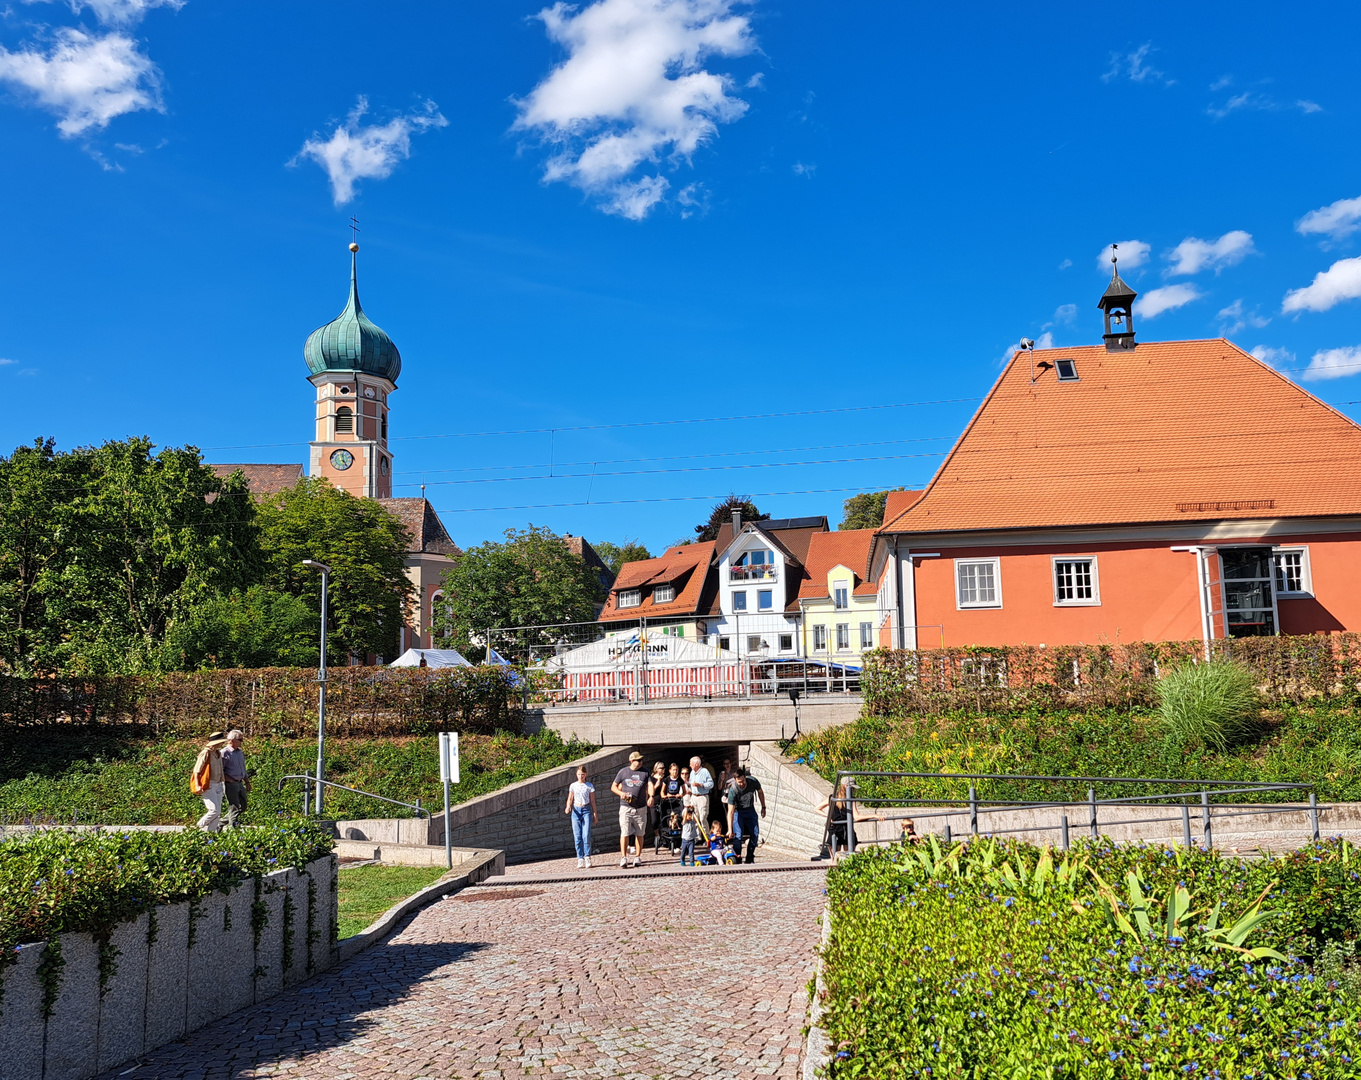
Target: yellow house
x: 839, y: 609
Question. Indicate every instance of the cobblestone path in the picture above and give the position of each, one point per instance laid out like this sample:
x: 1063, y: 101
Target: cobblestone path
x: 651, y: 979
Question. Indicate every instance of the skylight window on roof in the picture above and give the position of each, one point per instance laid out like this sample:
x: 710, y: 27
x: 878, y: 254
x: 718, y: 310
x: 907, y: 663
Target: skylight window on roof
x: 1066, y: 369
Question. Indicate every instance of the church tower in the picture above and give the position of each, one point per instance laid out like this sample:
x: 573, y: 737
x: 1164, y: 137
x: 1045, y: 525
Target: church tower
x: 354, y: 367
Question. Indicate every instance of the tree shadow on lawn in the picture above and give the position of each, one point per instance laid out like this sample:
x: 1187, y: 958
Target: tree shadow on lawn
x: 328, y: 1011
x: 52, y: 751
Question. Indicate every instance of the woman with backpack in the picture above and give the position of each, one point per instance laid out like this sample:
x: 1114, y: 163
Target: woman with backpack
x: 207, y: 781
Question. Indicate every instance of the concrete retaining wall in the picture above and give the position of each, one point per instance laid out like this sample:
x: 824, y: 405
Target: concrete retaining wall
x: 524, y: 820
x: 696, y: 723
x: 792, y: 794
x: 175, y: 971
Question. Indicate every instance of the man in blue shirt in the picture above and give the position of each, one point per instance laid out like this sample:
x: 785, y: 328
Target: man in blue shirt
x: 701, y: 784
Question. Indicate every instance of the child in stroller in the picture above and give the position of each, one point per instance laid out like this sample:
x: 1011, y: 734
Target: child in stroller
x: 669, y: 823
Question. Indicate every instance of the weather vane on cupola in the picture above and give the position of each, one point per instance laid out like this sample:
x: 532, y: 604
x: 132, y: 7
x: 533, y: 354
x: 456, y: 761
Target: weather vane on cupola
x: 1118, y: 304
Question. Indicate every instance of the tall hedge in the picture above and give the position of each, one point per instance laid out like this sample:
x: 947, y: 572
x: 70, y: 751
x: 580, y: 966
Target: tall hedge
x: 275, y: 701
x: 1020, y: 677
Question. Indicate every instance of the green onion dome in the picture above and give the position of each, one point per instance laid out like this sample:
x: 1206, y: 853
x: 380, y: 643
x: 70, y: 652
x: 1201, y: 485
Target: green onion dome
x: 351, y: 342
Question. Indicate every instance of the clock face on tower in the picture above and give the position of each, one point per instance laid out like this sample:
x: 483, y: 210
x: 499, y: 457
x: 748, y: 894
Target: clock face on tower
x: 383, y: 465
x: 342, y: 459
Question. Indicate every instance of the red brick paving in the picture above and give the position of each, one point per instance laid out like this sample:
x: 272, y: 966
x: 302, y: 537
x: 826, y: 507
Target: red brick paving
x: 650, y: 979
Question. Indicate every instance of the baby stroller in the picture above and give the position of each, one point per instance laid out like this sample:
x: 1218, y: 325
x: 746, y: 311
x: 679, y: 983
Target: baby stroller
x: 669, y: 814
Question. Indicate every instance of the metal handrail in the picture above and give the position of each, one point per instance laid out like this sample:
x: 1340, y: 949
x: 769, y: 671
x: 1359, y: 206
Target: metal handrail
x: 308, y: 778
x: 974, y: 807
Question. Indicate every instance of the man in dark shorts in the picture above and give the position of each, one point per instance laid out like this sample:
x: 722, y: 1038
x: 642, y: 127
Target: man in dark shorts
x: 743, y: 823
x: 630, y: 784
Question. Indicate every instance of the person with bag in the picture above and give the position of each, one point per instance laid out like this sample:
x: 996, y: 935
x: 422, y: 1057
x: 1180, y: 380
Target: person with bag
x: 631, y: 785
x: 207, y: 781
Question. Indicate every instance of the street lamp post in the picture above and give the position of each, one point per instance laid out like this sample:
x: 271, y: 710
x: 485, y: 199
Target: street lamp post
x: 325, y: 572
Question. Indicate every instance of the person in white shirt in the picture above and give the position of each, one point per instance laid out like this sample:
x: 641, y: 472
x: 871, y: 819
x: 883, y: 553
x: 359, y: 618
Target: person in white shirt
x: 701, y: 784
x: 581, y: 805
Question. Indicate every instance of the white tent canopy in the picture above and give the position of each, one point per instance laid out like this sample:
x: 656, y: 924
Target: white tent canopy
x: 435, y: 658
x: 615, y: 653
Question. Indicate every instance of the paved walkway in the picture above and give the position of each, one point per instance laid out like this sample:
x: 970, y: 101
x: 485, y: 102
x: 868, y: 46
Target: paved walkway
x: 656, y: 978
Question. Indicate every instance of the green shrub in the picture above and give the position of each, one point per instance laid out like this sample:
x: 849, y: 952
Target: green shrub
x: 56, y: 881
x: 989, y: 960
x: 1211, y: 704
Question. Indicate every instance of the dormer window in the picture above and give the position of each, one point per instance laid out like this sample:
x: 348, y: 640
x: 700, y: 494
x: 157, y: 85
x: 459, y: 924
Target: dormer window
x: 663, y: 594
x: 841, y: 595
x: 630, y: 598
x: 344, y: 419
x: 1066, y: 370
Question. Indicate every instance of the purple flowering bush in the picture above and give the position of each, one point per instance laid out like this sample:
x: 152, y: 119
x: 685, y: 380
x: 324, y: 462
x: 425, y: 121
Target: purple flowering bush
x: 997, y: 959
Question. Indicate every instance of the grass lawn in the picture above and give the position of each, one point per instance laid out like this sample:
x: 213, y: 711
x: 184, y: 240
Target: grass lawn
x: 57, y: 775
x: 368, y: 891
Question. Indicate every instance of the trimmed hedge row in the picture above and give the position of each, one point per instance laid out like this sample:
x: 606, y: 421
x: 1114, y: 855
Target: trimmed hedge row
x: 1019, y: 677
x: 56, y: 881
x: 275, y: 701
x: 997, y: 959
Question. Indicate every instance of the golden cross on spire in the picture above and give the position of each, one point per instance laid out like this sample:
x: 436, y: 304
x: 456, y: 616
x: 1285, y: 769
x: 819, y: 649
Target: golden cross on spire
x: 354, y: 230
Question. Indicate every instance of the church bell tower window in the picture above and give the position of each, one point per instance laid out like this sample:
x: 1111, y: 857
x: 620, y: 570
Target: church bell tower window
x: 344, y: 419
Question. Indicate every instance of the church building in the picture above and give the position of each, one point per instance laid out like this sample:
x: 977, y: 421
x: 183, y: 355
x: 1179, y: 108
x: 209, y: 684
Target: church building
x: 354, y: 367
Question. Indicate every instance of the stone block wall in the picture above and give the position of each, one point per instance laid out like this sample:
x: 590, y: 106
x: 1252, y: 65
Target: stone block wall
x: 526, y: 821
x: 175, y: 970
x: 792, y: 794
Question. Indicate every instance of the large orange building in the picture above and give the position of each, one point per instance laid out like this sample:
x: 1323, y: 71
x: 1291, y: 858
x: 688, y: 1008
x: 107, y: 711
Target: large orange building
x: 1130, y: 492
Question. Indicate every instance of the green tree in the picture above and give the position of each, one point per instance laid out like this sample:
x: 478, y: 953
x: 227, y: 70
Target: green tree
x: 708, y: 530
x: 365, y: 547
x: 251, y: 628
x: 616, y: 555
x: 111, y: 545
x: 528, y: 579
x: 866, y: 510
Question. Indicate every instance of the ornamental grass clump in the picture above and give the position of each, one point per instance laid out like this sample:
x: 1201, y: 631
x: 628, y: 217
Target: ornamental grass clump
x: 1211, y: 705
x: 992, y: 959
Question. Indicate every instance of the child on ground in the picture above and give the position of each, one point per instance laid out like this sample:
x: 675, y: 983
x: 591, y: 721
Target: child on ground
x: 715, y: 843
x: 689, y: 834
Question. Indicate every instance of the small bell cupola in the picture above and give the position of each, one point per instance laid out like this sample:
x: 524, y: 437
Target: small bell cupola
x: 1118, y: 304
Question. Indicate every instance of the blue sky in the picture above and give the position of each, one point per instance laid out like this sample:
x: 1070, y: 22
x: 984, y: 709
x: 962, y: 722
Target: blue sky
x: 652, y: 210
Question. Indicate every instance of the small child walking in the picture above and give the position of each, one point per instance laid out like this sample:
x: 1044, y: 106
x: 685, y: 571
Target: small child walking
x: 689, y: 834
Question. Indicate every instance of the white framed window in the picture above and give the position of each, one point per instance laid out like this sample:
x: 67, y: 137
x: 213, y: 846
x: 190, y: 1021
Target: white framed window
x: 1293, y: 577
x: 841, y: 595
x: 739, y: 600
x: 867, y: 635
x: 754, y: 643
x: 843, y: 636
x: 819, y: 638
x: 978, y: 583
x: 630, y: 597
x: 786, y: 643
x: 1075, y: 582
x: 765, y: 599
x: 663, y: 594
x: 725, y: 643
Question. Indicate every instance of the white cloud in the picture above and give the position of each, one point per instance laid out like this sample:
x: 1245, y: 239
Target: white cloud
x: 1134, y: 65
x: 1333, y: 364
x: 633, y: 88
x: 4, y: 362
x: 358, y: 151
x: 1234, y: 318
x: 119, y: 12
x: 800, y: 169
x: 1341, y: 281
x: 1156, y: 301
x: 1044, y: 341
x: 1192, y: 256
x: 1253, y: 101
x: 1308, y: 107
x: 1277, y: 358
x: 1065, y: 264
x: 1065, y: 313
x: 85, y: 79
x: 1133, y: 253
x: 1337, y: 220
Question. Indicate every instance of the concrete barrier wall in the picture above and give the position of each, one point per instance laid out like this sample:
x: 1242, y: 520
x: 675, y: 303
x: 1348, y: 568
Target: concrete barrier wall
x: 696, y: 723
x: 175, y: 970
x: 524, y: 820
x: 792, y: 794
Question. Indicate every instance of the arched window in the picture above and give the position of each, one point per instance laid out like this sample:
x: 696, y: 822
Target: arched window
x: 344, y: 419
x: 385, y: 427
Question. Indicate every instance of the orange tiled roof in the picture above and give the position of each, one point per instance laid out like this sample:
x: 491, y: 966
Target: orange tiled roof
x: 1169, y: 431
x: 898, y: 501
x: 686, y: 565
x: 263, y: 479
x: 419, y: 519
x: 847, y: 547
